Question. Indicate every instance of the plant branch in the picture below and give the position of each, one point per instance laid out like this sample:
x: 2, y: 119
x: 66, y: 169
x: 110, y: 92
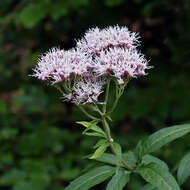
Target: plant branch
x: 114, y: 106
x: 87, y: 114
x: 110, y: 140
x: 118, y: 92
x: 106, y: 96
x: 127, y: 165
x: 98, y: 110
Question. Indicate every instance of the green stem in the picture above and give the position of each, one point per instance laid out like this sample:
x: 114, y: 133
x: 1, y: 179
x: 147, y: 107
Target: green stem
x: 115, y: 102
x: 103, y: 114
x: 127, y: 165
x: 97, y: 109
x: 108, y: 134
x: 114, y: 106
x: 118, y: 92
x: 106, y: 96
x: 87, y: 114
x: 110, y: 140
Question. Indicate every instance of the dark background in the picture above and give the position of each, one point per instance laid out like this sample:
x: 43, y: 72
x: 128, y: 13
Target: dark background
x: 41, y: 147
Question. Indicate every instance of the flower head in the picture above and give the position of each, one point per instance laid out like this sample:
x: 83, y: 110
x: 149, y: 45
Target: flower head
x: 86, y: 90
x: 58, y: 65
x: 121, y: 63
x: 96, y: 40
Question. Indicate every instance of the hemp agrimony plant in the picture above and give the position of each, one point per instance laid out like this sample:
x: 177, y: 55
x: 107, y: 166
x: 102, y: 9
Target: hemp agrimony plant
x: 83, y: 76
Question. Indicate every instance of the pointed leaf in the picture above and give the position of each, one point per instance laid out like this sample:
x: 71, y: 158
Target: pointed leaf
x: 94, y: 134
x: 160, y: 138
x: 108, y: 158
x: 147, y: 159
x: 117, y: 149
x: 92, y: 126
x: 119, y: 180
x: 99, y: 151
x: 86, y: 123
x: 91, y: 178
x: 158, y: 177
x: 109, y: 118
x: 100, y: 142
x: 184, y: 169
x: 96, y: 129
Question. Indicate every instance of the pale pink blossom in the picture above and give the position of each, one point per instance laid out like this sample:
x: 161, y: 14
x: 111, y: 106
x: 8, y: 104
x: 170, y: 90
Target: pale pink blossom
x: 121, y: 63
x: 101, y: 54
x: 96, y: 39
x: 57, y: 65
x: 86, y: 90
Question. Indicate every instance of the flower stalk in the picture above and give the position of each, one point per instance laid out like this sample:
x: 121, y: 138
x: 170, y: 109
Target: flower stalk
x: 106, y: 96
x: 88, y: 115
x: 106, y: 125
x: 111, y: 141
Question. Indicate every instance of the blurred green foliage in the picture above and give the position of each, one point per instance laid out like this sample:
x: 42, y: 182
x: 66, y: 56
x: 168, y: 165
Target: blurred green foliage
x: 41, y: 147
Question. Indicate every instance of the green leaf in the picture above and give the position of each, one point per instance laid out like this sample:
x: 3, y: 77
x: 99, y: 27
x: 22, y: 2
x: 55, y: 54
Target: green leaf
x: 100, y: 150
x: 109, y: 118
x: 148, y: 187
x: 118, y: 150
x: 91, y: 178
x: 100, y: 142
x: 184, y: 169
x: 147, y: 159
x: 119, y: 180
x: 108, y: 158
x: 94, y: 134
x: 130, y: 158
x: 158, y: 177
x: 86, y: 123
x: 160, y: 138
x: 92, y: 126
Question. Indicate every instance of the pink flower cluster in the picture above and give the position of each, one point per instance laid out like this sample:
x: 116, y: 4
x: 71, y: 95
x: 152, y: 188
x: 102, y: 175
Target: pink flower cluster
x: 86, y: 90
x: 120, y: 63
x: 58, y: 65
x: 96, y: 40
x: 99, y: 55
